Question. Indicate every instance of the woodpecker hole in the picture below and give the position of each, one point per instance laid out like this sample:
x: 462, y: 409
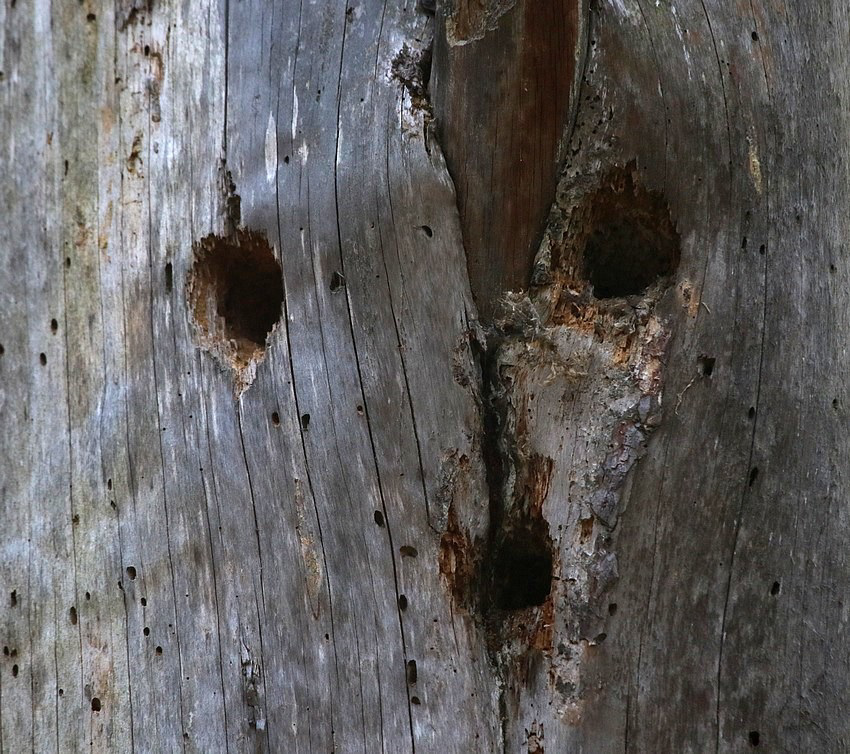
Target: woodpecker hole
x: 630, y: 240
x: 522, y: 569
x: 236, y: 295
x: 706, y: 365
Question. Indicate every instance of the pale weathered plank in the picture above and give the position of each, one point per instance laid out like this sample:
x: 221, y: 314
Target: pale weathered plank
x: 215, y: 577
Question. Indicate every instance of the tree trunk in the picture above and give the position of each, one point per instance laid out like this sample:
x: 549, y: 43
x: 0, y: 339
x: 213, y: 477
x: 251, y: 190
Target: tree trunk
x: 271, y: 482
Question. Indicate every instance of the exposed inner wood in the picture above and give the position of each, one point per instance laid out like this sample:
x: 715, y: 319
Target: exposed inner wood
x: 235, y: 293
x: 504, y: 87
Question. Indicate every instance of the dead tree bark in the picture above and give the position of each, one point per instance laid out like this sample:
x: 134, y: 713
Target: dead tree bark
x: 314, y: 440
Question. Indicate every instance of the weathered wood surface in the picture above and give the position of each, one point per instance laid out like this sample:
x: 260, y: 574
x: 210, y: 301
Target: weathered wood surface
x: 263, y: 607
x: 314, y: 565
x: 725, y: 629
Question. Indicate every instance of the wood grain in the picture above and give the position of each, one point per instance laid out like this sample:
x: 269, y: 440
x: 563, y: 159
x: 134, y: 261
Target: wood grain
x: 182, y: 570
x: 505, y: 84
x: 263, y: 607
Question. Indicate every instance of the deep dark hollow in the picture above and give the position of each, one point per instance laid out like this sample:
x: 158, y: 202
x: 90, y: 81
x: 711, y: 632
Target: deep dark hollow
x: 250, y: 295
x: 631, y: 241
x: 623, y: 259
x: 522, y: 571
x: 244, y: 283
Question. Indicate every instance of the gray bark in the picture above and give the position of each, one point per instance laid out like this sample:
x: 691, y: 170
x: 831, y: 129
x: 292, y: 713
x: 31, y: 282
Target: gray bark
x: 608, y: 513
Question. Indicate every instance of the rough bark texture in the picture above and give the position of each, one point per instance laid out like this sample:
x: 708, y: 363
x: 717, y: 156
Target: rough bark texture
x: 611, y: 516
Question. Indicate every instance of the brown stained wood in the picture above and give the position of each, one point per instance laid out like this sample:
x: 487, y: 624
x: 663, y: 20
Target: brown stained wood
x: 504, y: 85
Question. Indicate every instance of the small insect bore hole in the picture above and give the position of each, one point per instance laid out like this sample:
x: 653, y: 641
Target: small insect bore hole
x: 706, y: 365
x: 754, y: 474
